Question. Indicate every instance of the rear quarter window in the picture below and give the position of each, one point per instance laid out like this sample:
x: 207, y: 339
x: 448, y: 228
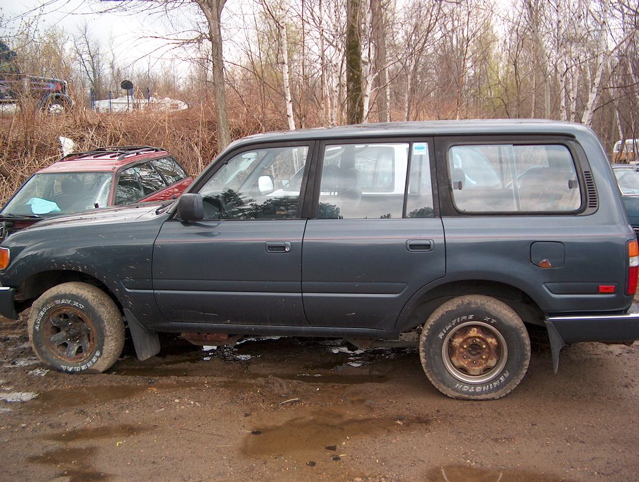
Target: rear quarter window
x: 513, y: 178
x: 169, y: 169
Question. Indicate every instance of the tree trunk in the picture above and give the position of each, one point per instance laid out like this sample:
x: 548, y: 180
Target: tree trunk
x: 379, y: 40
x: 323, y: 74
x: 286, y: 77
x: 368, y: 74
x: 602, y: 61
x: 354, y: 98
x: 212, y: 10
x: 533, y: 8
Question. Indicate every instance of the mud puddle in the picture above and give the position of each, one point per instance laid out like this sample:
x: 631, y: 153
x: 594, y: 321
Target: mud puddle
x: 472, y: 474
x: 118, y: 431
x: 73, y: 464
x: 69, y: 398
x: 321, y: 431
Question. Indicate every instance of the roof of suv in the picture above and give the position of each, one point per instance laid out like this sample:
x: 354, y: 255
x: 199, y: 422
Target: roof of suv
x: 423, y: 128
x: 104, y: 159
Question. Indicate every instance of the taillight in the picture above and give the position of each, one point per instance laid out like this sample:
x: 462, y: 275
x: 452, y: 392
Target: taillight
x: 633, y: 267
x: 5, y: 257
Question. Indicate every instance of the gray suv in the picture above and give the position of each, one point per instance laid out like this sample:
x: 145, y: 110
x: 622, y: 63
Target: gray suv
x: 450, y: 236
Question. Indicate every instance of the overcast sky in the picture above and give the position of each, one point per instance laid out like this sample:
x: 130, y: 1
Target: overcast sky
x: 125, y: 30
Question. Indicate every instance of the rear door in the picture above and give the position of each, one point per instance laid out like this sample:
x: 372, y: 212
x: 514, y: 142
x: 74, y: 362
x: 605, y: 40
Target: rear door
x: 374, y: 240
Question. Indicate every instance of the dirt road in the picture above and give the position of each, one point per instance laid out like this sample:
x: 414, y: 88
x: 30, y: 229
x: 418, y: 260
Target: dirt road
x: 291, y: 409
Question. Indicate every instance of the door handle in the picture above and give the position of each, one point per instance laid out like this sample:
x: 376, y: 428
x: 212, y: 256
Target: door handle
x: 278, y: 246
x: 420, y: 245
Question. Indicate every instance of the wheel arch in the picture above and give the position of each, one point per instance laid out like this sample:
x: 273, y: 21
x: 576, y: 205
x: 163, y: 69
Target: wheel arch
x: 34, y: 286
x: 423, y: 304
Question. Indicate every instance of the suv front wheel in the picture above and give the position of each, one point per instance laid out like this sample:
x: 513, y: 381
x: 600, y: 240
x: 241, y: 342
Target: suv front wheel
x: 76, y: 328
x: 474, y: 348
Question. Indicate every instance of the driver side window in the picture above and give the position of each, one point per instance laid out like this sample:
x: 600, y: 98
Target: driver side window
x: 259, y: 184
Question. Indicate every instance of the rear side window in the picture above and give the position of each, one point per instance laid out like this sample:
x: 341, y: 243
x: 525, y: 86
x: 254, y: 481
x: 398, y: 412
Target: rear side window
x: 363, y: 181
x: 150, y: 180
x: 138, y: 182
x: 369, y: 181
x: 513, y: 178
x: 169, y: 169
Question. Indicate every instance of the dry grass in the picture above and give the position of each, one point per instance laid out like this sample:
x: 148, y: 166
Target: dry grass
x: 29, y: 141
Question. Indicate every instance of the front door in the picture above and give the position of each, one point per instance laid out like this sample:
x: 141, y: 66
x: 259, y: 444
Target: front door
x: 242, y: 263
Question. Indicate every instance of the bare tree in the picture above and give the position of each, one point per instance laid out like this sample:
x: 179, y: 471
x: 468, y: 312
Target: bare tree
x: 354, y: 94
x: 379, y: 28
x: 212, y: 10
x: 415, y: 54
x: 278, y: 15
x: 600, y: 61
x: 91, y: 59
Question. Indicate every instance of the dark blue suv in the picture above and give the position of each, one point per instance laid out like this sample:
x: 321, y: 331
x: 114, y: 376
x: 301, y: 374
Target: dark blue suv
x: 451, y: 236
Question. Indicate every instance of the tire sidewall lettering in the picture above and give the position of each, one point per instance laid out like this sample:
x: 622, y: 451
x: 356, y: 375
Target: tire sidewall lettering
x: 85, y: 366
x: 56, y: 304
x: 464, y: 319
x: 485, y: 387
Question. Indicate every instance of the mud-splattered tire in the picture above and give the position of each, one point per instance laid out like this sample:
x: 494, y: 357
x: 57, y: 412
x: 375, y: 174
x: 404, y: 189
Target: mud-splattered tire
x: 76, y: 328
x: 474, y: 348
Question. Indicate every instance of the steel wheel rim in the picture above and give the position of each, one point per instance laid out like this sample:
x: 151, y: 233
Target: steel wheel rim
x: 474, y: 352
x: 70, y: 335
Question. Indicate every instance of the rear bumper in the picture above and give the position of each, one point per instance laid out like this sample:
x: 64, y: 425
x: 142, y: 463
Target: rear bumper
x: 603, y: 328
x: 7, y: 305
x: 607, y: 328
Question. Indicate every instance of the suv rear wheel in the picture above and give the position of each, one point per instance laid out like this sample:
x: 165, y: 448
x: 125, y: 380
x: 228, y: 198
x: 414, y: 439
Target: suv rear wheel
x: 76, y: 328
x: 475, y: 348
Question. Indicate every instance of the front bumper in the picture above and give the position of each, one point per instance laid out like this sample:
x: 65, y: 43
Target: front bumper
x: 7, y: 305
x: 563, y: 330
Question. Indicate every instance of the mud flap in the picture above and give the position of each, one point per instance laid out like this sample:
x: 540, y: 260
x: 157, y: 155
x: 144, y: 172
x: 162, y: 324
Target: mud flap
x: 556, y: 344
x: 146, y: 343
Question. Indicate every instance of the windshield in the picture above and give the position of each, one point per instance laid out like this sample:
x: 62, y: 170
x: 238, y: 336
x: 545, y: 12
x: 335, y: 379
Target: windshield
x: 628, y: 180
x: 63, y: 193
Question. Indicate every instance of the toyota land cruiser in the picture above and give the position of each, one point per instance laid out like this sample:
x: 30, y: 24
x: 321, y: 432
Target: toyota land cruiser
x: 453, y: 236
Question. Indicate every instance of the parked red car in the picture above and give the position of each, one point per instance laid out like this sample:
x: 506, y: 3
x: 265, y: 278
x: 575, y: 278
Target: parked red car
x: 107, y: 176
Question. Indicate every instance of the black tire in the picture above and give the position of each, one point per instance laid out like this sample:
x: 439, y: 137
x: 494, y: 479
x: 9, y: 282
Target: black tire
x: 76, y: 328
x: 474, y: 348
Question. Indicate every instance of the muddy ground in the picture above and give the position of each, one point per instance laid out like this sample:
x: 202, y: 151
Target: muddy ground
x: 295, y: 409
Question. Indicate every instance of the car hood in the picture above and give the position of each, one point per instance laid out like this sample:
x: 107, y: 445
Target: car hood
x: 100, y: 216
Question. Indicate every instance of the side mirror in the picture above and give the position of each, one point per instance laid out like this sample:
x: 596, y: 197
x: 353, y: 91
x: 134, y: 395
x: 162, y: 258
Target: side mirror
x: 265, y: 184
x: 190, y: 208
